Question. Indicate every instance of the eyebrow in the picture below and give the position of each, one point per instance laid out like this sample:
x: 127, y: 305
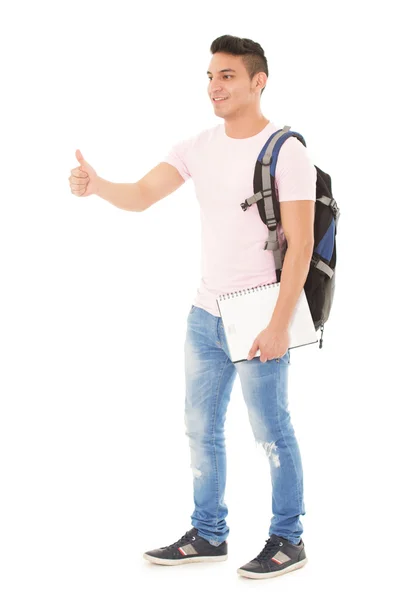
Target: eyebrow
x: 221, y: 71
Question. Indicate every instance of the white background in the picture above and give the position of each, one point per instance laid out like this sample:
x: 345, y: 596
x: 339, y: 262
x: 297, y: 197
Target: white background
x: 94, y: 461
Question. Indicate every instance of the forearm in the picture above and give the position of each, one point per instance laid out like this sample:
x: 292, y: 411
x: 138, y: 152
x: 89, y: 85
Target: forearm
x: 293, y: 276
x: 127, y: 196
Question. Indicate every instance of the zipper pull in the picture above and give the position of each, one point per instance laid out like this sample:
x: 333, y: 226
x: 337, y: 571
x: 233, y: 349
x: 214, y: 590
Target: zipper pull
x: 321, y: 339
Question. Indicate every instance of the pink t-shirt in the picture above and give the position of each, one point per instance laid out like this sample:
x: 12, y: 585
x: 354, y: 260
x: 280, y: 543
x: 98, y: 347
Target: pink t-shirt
x: 232, y: 240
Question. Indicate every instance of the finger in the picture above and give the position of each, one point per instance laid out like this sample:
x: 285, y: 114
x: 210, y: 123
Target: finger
x: 78, y: 172
x: 81, y: 180
x: 252, y: 351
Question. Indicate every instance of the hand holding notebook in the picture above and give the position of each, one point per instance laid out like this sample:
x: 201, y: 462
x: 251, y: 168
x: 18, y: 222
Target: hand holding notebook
x: 245, y: 313
x: 270, y: 343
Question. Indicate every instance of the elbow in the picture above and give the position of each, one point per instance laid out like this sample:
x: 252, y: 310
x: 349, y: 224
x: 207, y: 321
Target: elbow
x: 304, y: 249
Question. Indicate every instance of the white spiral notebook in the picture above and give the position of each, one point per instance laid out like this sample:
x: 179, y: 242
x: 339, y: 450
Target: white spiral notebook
x: 246, y: 312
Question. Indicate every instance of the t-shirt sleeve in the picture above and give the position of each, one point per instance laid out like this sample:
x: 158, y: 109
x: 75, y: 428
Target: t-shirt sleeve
x: 179, y: 155
x: 296, y: 174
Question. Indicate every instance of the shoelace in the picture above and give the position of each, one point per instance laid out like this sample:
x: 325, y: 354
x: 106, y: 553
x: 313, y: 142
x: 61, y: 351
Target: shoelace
x: 270, y: 546
x: 187, y: 537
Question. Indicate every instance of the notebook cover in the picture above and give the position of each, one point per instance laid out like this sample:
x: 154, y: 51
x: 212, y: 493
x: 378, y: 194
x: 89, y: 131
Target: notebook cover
x: 247, y: 312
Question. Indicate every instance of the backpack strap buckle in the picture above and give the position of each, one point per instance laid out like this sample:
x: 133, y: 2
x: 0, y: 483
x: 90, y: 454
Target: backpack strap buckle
x: 261, y: 195
x: 272, y: 241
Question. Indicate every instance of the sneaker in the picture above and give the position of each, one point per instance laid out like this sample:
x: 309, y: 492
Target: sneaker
x: 191, y: 547
x: 279, y: 556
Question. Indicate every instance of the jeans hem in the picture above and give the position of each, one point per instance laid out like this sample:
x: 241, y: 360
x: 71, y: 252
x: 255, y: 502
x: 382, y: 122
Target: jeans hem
x: 212, y: 541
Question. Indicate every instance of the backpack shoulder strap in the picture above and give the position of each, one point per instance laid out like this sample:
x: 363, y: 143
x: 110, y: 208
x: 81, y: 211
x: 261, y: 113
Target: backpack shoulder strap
x: 265, y: 190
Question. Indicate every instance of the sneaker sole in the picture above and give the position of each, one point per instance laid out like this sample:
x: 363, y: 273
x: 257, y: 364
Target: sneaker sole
x: 253, y: 575
x: 181, y: 561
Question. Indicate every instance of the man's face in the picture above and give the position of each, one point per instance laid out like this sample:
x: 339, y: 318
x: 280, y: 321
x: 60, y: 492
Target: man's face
x: 233, y: 84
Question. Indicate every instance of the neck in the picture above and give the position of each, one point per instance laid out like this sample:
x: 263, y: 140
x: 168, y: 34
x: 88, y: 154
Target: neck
x: 245, y: 127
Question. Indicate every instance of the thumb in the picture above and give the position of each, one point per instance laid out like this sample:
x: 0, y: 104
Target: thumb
x: 80, y: 158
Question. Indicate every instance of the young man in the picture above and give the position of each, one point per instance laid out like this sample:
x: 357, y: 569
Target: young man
x: 221, y: 161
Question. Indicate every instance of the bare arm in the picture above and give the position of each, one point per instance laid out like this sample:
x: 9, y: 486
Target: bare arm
x: 158, y: 183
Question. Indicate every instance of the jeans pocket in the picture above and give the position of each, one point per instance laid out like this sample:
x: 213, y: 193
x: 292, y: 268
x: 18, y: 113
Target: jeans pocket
x: 193, y: 308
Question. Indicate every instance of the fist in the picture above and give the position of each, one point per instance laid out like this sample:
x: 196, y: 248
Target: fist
x: 83, y: 179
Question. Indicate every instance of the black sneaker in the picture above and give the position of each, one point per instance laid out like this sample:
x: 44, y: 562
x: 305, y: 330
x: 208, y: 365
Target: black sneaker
x: 277, y: 557
x: 191, y: 547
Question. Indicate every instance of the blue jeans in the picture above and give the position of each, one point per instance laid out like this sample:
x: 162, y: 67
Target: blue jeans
x: 209, y: 375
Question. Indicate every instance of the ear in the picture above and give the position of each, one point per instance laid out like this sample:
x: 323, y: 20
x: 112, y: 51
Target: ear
x: 262, y: 80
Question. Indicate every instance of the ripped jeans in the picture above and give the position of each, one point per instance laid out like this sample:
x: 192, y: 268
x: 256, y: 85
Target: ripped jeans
x: 209, y: 376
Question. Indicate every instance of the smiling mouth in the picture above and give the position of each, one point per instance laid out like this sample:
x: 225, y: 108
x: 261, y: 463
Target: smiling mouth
x: 218, y: 101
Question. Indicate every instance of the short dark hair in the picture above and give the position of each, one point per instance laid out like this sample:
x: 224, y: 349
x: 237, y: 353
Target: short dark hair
x: 253, y: 55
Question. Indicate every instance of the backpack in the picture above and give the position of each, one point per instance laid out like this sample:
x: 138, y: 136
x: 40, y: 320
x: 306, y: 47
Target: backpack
x: 320, y: 282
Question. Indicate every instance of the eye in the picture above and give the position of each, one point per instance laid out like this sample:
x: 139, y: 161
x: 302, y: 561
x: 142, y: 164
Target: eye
x: 224, y: 76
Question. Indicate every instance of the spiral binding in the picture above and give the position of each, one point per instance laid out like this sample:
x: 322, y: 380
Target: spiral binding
x: 246, y: 291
